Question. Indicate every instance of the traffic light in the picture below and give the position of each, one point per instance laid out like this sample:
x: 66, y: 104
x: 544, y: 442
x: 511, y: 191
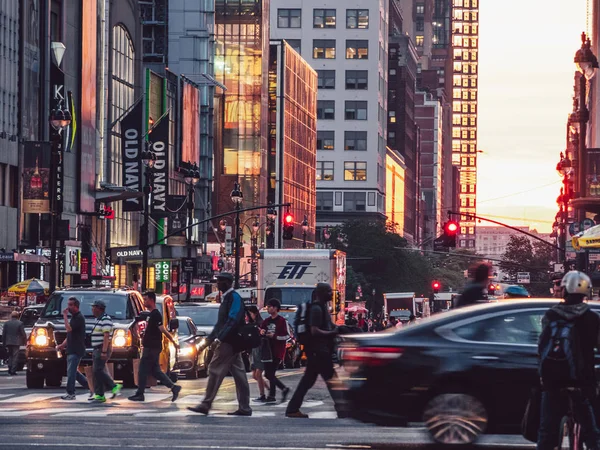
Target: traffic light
x: 436, y: 285
x: 288, y: 226
x: 450, y: 232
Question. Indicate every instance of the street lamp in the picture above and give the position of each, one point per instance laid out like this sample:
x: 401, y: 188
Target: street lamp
x: 304, y: 230
x: 192, y: 177
x: 237, y: 198
x: 148, y: 160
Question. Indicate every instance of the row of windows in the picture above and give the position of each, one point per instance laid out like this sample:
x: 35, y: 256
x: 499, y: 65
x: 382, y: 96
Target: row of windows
x: 323, y: 18
x: 352, y: 201
x: 355, y: 79
x: 355, y: 49
x: 464, y: 107
x: 465, y: 55
x: 353, y: 140
x: 464, y: 134
x: 457, y: 147
x: 466, y: 3
x: 465, y: 94
x: 353, y: 110
x: 465, y: 42
x: 465, y: 28
x: 465, y: 15
x: 465, y: 121
x: 353, y: 171
x: 466, y: 82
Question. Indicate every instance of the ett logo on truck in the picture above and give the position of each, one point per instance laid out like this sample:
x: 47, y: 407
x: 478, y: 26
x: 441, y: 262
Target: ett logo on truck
x: 294, y: 270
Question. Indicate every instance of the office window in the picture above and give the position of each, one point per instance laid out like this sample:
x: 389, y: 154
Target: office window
x: 355, y: 201
x: 392, y: 72
x: 326, y: 109
x: 324, y: 170
x: 324, y: 18
x: 392, y: 116
x: 357, y: 49
x: 324, y: 201
x: 355, y: 171
x: 325, y: 140
x: 295, y: 44
x: 289, y: 18
x: 357, y: 79
x: 357, y: 18
x: 355, y: 140
x: 326, y: 79
x: 391, y: 138
x: 419, y: 41
x: 355, y: 110
x: 323, y: 48
x: 420, y: 9
x: 420, y: 24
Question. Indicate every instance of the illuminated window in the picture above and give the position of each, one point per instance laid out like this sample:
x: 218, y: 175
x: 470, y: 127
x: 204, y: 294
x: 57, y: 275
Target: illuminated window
x: 326, y: 79
x: 326, y: 109
x: 355, y: 140
x: 324, y: 170
x: 357, y: 18
x: 289, y: 18
x: 324, y: 201
x: 355, y: 201
x: 419, y: 40
x: 357, y: 49
x: 420, y: 9
x: 456, y: 119
x: 323, y: 48
x: 392, y: 116
x: 357, y: 79
x: 355, y: 110
x: 392, y: 72
x: 324, y: 18
x: 355, y: 171
x: 456, y: 132
x: 456, y: 93
x: 325, y: 140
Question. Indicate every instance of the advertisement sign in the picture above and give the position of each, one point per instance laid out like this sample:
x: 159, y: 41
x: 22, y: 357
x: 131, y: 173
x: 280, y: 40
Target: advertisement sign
x: 85, y: 268
x: 162, y: 271
x: 190, y: 139
x: 131, y: 147
x: 523, y: 278
x: 72, y: 260
x: 176, y: 207
x: 160, y: 146
x: 36, y: 177
x: 188, y: 265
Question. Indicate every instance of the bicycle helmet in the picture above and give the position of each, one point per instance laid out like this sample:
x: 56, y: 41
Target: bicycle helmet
x: 575, y: 282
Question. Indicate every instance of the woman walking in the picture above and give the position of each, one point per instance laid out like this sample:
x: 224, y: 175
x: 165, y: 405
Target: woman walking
x: 258, y: 367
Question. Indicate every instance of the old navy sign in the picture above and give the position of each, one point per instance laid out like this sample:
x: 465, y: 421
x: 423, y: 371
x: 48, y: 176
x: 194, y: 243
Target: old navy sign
x: 160, y: 146
x: 131, y: 143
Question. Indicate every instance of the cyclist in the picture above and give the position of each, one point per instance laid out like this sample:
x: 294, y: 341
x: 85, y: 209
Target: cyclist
x: 578, y: 324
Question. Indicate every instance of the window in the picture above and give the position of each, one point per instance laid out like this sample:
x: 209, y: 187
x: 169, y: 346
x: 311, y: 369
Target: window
x: 326, y: 79
x: 295, y: 44
x: 391, y: 138
x: 324, y: 170
x: 289, y: 18
x: 325, y: 140
x: 392, y: 116
x: 354, y: 201
x: 355, y: 171
x: 357, y: 18
x: 357, y: 49
x: 392, y: 71
x: 420, y: 24
x: 326, y: 109
x: 508, y: 328
x: 357, y: 79
x: 324, y: 18
x: 420, y: 9
x: 324, y: 201
x: 323, y: 48
x: 355, y: 140
x: 355, y: 110
x: 419, y: 41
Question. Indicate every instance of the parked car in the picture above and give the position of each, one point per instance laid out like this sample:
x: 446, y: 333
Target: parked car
x: 190, y: 341
x: 462, y: 373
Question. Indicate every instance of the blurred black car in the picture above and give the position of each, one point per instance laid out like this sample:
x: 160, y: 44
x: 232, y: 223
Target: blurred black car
x: 462, y: 373
x: 204, y: 317
x: 189, y: 356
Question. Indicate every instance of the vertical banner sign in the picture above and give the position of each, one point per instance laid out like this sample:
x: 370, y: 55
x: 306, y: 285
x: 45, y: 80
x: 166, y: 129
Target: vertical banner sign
x: 58, y: 100
x: 131, y: 144
x: 160, y: 146
x: 85, y: 267
x: 36, y: 177
x: 176, y: 207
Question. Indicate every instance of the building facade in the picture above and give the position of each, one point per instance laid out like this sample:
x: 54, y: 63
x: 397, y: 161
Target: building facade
x: 491, y: 241
x: 395, y: 184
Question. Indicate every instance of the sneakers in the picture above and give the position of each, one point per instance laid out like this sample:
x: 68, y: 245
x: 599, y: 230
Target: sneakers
x: 176, y: 390
x: 296, y: 415
x: 261, y: 399
x: 99, y: 399
x: 201, y: 409
x: 136, y: 398
x: 116, y: 390
x: 239, y: 412
x: 69, y: 397
x: 91, y: 397
x: 270, y: 400
x: 284, y: 395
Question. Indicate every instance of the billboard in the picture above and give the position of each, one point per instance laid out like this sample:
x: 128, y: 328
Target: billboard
x: 36, y: 177
x: 72, y: 260
x: 190, y: 132
x: 131, y: 147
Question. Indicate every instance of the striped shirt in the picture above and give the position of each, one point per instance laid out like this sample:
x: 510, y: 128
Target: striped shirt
x: 104, y: 324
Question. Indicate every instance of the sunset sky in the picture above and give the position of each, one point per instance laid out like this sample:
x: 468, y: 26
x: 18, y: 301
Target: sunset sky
x: 525, y: 94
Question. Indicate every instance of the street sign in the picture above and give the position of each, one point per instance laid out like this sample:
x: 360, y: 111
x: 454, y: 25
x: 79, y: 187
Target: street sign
x: 440, y: 244
x: 188, y: 265
x: 523, y: 278
x: 163, y: 271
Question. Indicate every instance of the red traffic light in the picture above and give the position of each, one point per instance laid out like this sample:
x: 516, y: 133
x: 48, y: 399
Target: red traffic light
x: 436, y: 285
x: 289, y: 219
x: 451, y: 227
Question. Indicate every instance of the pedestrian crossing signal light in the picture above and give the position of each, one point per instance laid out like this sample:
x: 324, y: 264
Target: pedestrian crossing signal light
x: 436, y: 285
x: 288, y: 227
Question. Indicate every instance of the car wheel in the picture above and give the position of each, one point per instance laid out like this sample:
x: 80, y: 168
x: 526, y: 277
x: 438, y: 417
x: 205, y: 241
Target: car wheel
x: 34, y: 381
x: 454, y: 418
x: 54, y: 380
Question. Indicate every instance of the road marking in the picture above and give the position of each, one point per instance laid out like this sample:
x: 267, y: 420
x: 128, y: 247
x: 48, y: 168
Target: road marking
x: 31, y: 398
x: 323, y: 415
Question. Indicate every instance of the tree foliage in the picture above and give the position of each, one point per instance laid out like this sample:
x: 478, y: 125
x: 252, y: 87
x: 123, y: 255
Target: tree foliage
x: 523, y: 255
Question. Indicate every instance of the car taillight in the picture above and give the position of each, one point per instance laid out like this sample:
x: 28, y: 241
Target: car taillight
x: 371, y: 356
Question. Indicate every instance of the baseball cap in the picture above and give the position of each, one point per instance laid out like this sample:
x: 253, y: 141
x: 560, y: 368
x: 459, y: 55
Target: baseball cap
x: 225, y: 276
x: 99, y: 304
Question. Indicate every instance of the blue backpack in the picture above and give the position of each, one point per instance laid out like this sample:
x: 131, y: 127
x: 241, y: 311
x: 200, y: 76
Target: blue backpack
x: 561, y: 361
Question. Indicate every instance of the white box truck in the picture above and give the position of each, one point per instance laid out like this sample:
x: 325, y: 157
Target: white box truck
x: 290, y: 275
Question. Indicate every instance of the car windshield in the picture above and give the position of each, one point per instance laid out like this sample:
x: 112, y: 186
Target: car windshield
x: 184, y: 329
x: 290, y: 296
x: 29, y: 316
x: 116, y: 305
x: 201, y: 316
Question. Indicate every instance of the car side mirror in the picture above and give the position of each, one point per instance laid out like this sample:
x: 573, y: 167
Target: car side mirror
x: 174, y: 324
x: 201, y: 333
x: 143, y: 317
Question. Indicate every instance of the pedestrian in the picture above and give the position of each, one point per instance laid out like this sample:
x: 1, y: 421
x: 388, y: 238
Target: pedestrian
x: 152, y: 348
x: 227, y: 355
x: 102, y: 349
x: 257, y: 366
x: 362, y: 323
x: 75, y: 345
x: 319, y: 350
x: 275, y: 328
x: 13, y: 336
x: 351, y: 321
x: 475, y: 291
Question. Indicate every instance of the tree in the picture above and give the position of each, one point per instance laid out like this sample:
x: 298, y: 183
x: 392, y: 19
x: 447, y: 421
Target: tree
x: 522, y: 255
x: 518, y: 255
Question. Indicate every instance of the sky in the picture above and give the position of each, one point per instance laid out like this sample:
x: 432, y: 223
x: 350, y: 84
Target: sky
x: 526, y: 73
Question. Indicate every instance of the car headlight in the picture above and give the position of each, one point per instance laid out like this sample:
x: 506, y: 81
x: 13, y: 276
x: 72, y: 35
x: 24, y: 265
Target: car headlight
x: 120, y: 338
x: 40, y: 338
x: 186, y: 351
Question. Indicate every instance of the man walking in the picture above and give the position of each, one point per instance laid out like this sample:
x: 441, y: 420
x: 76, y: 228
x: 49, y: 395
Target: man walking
x: 152, y: 342
x: 102, y: 345
x: 319, y: 350
x: 13, y: 336
x: 275, y: 328
x: 75, y: 345
x: 475, y: 291
x: 227, y: 356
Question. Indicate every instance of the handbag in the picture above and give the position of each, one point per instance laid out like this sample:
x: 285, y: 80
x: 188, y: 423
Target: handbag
x: 266, y: 355
x: 248, y: 336
x: 531, y: 419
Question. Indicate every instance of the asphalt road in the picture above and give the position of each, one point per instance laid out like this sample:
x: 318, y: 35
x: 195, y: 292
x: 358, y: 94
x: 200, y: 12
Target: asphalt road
x: 40, y: 419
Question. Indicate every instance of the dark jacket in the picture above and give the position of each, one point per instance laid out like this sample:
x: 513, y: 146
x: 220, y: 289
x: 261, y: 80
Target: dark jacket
x: 471, y: 295
x: 13, y: 333
x: 231, y: 318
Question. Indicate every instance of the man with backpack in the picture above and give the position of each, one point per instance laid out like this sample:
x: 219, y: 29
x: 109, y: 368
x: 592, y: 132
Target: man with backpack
x: 316, y: 331
x: 227, y: 355
x: 570, y: 332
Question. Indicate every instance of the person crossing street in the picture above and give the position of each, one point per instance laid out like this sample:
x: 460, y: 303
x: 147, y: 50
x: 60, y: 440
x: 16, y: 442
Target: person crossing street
x: 102, y: 349
x: 13, y: 336
x: 275, y: 328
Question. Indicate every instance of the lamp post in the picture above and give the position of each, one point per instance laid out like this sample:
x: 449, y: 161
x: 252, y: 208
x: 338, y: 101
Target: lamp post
x: 192, y: 178
x: 304, y: 230
x: 148, y: 160
x: 586, y: 63
x: 237, y: 197
x: 565, y: 170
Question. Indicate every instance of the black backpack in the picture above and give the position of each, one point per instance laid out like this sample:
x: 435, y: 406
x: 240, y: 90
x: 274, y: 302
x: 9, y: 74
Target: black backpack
x: 561, y: 361
x: 302, y: 323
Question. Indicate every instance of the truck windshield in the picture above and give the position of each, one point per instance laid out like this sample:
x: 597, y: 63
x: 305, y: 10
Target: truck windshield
x: 116, y: 305
x: 290, y: 295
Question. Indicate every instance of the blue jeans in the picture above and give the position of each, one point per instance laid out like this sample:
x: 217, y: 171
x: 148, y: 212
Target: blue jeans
x: 73, y: 374
x: 554, y: 407
x: 102, y: 379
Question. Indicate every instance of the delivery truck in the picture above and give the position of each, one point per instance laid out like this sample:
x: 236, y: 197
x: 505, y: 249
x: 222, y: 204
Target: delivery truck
x: 400, y: 305
x: 290, y: 275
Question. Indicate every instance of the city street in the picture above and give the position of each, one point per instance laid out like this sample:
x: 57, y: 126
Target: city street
x: 41, y: 419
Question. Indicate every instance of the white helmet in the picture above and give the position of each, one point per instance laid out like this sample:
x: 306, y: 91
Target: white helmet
x: 575, y: 282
